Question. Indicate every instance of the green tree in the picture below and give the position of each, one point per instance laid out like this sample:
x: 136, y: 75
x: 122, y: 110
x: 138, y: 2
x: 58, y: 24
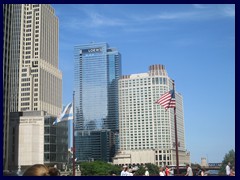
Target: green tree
x: 152, y: 169
x: 229, y: 157
x: 140, y: 171
x: 99, y: 168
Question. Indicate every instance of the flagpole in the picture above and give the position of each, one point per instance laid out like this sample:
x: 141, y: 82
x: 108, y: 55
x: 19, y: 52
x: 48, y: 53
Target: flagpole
x: 176, y: 137
x: 73, y: 137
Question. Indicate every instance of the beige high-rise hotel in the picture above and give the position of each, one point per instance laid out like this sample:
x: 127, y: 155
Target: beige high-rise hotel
x: 146, y: 129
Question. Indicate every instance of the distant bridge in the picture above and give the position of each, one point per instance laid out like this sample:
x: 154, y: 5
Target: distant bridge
x: 212, y: 166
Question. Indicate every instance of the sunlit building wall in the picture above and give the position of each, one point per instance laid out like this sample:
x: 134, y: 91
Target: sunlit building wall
x: 32, y: 80
x: 145, y: 125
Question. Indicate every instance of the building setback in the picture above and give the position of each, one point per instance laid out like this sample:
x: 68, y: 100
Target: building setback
x: 146, y: 129
x: 40, y: 81
x: 96, y: 74
x: 32, y: 80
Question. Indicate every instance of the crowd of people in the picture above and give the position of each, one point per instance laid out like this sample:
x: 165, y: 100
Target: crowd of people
x: 126, y: 171
x: 42, y: 170
x: 166, y: 171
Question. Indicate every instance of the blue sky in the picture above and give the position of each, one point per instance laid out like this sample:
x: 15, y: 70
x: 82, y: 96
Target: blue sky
x: 195, y: 42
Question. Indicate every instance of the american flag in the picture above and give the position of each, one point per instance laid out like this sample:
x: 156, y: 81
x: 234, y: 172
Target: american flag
x: 167, y: 100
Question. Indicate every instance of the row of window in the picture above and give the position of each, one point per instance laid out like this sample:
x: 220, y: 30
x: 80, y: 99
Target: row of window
x: 25, y: 89
x: 25, y: 79
x: 154, y: 80
x: 163, y: 157
x: 133, y: 148
x: 25, y: 84
x: 25, y: 99
x: 27, y: 104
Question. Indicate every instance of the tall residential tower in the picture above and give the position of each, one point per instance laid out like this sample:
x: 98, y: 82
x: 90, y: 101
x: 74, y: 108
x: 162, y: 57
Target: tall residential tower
x: 96, y: 74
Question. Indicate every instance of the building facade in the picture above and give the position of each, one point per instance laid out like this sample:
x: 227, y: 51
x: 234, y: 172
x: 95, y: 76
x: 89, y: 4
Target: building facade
x: 32, y: 80
x: 96, y: 74
x: 34, y: 140
x: 40, y: 81
x: 145, y: 125
x: 11, y: 55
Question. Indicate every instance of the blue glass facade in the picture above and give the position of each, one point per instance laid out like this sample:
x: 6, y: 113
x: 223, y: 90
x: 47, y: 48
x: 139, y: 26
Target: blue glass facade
x: 96, y: 74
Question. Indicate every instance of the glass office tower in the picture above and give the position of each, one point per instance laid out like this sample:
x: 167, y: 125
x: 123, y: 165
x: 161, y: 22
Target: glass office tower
x: 96, y: 74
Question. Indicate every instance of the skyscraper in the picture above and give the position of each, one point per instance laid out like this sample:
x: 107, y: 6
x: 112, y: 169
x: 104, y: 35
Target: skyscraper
x: 32, y: 80
x: 146, y: 129
x: 11, y: 56
x: 96, y: 74
x: 40, y: 81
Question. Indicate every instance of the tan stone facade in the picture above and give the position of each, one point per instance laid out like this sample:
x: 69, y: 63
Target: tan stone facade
x: 40, y: 81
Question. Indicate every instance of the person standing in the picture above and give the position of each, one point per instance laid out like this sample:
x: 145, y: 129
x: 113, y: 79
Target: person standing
x: 124, y: 171
x: 146, y: 172
x: 161, y: 173
x: 189, y: 171
x: 129, y: 172
x: 167, y: 171
x: 199, y: 171
x: 203, y: 172
x: 232, y: 172
x: 228, y: 169
x: 171, y: 172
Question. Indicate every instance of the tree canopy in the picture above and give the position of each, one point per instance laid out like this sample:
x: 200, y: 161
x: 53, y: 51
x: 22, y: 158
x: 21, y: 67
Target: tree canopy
x: 99, y: 168
x: 229, y: 157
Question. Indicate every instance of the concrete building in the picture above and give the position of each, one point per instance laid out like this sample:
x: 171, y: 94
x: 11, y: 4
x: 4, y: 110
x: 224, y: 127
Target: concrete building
x: 32, y: 80
x: 96, y: 74
x: 146, y: 127
x: 34, y: 140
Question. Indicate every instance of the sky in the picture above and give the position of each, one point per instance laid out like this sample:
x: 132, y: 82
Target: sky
x: 195, y: 43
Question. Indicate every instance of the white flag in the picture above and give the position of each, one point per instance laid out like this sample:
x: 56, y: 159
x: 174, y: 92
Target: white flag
x: 66, y: 115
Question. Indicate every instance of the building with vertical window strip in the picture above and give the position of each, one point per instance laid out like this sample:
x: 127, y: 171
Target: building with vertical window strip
x: 146, y: 129
x: 96, y: 74
x: 11, y: 55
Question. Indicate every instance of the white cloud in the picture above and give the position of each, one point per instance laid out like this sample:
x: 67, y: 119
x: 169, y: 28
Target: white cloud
x: 92, y: 20
x: 97, y: 20
x: 166, y: 16
x: 229, y: 10
x: 200, y: 6
x: 94, y: 17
